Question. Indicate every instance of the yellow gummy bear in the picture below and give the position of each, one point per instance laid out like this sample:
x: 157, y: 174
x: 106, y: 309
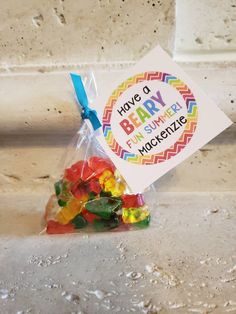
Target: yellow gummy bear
x: 133, y: 215
x: 67, y: 213
x: 109, y: 184
x: 118, y: 189
x: 106, y: 175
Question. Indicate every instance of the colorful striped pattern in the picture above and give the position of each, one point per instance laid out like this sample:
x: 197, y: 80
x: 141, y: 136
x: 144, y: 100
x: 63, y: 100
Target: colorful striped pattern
x: 190, y: 127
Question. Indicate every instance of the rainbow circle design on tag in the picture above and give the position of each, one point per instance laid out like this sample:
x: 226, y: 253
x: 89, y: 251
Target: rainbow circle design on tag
x: 178, y: 146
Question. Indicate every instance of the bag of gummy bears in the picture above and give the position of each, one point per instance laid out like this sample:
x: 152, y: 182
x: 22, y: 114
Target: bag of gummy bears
x: 91, y: 195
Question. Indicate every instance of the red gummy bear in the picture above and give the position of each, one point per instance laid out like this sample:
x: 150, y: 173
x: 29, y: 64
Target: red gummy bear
x: 94, y: 186
x: 79, y: 170
x: 99, y: 164
x: 80, y: 191
x: 133, y: 200
x: 90, y: 217
x: 53, y: 227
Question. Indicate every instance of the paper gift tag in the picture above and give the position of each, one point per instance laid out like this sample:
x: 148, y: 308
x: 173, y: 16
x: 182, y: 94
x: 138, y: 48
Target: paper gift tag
x: 154, y: 117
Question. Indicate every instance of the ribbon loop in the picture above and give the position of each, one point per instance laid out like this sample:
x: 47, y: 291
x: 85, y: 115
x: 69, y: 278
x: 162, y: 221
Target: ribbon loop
x: 87, y: 112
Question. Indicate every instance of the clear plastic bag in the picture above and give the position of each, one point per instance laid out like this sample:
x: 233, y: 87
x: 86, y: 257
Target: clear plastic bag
x: 91, y: 195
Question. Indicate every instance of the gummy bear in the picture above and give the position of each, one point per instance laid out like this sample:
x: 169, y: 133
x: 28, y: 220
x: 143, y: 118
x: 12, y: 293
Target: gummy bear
x: 58, y: 187
x: 99, y: 164
x: 94, y: 186
x: 143, y: 223
x: 105, y: 176
x: 80, y: 191
x: 67, y: 213
x: 62, y: 192
x: 103, y: 207
x: 78, y: 171
x: 92, y: 194
x: 79, y: 222
x: 132, y: 200
x: 105, y: 194
x: 53, y: 227
x: 109, y: 184
x: 118, y: 189
x: 133, y: 215
x: 103, y: 224
x: 90, y: 217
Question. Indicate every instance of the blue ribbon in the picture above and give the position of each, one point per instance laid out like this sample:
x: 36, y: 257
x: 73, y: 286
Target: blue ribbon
x: 87, y: 113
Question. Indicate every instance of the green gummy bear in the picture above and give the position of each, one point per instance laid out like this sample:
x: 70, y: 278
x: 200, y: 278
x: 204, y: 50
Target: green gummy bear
x: 61, y: 192
x: 103, y: 224
x: 105, y: 194
x: 104, y: 207
x: 62, y: 203
x: 79, y: 222
x: 143, y: 223
x: 58, y: 187
x: 92, y: 195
